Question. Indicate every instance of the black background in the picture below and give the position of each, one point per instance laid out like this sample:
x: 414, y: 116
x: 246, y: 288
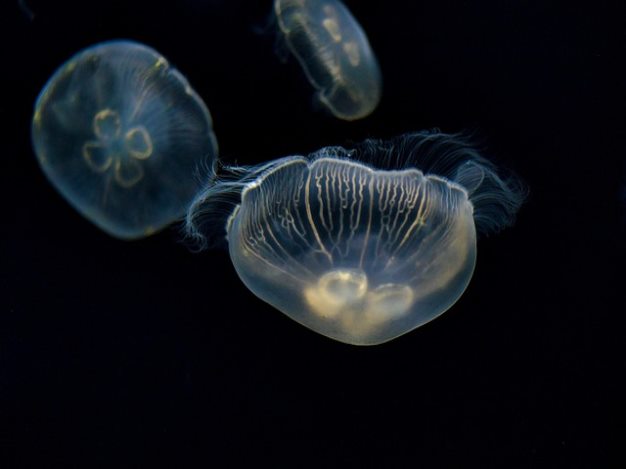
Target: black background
x: 142, y: 354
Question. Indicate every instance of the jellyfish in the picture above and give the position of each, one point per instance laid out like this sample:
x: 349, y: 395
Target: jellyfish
x: 123, y: 137
x: 363, y: 245
x: 334, y: 53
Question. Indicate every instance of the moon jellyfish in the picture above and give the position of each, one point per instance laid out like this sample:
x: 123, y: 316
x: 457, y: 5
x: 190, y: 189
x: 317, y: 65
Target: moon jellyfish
x: 334, y: 52
x: 363, y: 245
x: 121, y: 135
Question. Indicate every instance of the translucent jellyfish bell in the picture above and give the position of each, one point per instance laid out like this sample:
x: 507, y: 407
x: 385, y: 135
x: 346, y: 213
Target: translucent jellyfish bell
x: 359, y: 254
x: 334, y: 53
x: 122, y: 136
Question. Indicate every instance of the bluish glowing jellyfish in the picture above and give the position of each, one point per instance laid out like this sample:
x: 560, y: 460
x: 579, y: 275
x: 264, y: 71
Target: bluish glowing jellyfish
x: 360, y: 254
x: 122, y: 136
x: 334, y: 52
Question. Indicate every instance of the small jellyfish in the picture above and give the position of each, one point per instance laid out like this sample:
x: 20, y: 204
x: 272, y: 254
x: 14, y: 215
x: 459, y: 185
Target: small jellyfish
x: 122, y: 136
x: 334, y: 52
x: 359, y: 254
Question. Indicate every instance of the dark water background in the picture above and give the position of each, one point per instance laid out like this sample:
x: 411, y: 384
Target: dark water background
x: 142, y: 354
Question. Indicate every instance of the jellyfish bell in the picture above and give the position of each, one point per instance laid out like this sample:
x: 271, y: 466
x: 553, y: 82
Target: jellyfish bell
x: 357, y: 254
x: 362, y: 254
x: 123, y: 137
x: 334, y: 53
